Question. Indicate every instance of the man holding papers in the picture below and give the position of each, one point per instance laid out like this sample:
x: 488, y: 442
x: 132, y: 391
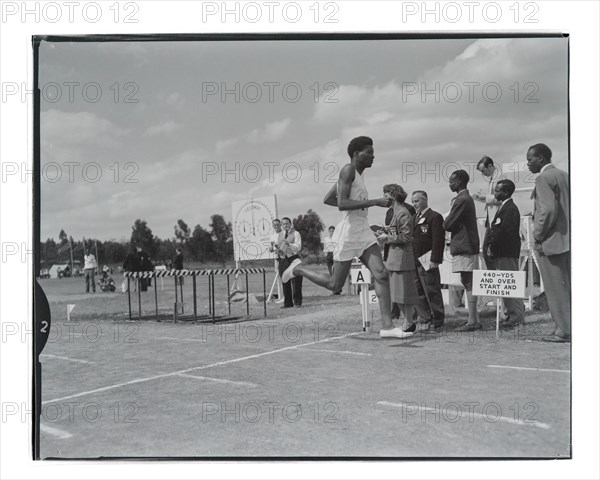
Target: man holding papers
x: 428, y: 248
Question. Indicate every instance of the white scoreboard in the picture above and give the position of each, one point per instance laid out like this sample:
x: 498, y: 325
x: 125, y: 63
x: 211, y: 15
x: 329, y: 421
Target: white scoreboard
x: 252, y: 227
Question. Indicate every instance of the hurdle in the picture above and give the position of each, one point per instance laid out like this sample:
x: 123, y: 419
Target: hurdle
x: 210, y: 274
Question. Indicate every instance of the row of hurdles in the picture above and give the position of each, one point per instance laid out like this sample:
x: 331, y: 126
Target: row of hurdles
x: 210, y: 275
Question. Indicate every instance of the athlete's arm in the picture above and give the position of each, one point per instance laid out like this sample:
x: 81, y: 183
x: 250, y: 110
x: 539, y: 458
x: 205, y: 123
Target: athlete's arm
x: 345, y: 185
x: 331, y: 197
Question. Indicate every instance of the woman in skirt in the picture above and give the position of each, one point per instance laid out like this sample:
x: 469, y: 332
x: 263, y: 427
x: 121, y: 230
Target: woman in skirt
x: 401, y: 262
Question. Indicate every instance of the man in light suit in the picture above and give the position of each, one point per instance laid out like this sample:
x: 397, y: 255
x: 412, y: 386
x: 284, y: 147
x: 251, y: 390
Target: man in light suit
x: 503, y: 245
x: 428, y: 237
x: 551, y: 231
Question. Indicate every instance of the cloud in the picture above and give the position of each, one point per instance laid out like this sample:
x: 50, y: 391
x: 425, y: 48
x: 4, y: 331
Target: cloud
x: 69, y: 129
x: 173, y: 99
x: 163, y: 128
x: 270, y: 133
x: 224, y: 145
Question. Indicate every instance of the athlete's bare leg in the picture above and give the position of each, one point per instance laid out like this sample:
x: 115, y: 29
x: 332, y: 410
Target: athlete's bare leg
x: 371, y: 257
x: 334, y: 283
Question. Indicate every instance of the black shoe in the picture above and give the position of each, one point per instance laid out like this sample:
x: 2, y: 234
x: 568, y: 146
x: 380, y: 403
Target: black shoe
x: 556, y: 339
x: 286, y: 306
x: 410, y: 329
x: 469, y: 327
x: 510, y: 324
x: 435, y: 328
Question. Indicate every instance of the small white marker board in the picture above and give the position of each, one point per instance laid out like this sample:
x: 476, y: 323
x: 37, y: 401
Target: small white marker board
x: 373, y: 300
x: 360, y: 275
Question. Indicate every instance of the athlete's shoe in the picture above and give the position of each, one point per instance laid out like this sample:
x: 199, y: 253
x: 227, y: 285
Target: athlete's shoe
x: 289, y: 272
x: 394, y: 333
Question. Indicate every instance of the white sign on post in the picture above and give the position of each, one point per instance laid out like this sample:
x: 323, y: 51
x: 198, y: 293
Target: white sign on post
x: 499, y: 283
x: 360, y: 275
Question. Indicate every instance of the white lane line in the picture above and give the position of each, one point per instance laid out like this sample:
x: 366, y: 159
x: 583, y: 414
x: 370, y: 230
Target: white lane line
x: 202, y: 367
x: 54, y: 431
x: 527, y: 368
x: 219, y: 380
x: 335, y: 351
x: 64, y: 358
x: 181, y: 339
x: 454, y: 413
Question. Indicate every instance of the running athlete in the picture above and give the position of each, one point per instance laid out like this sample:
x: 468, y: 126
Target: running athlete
x: 353, y: 236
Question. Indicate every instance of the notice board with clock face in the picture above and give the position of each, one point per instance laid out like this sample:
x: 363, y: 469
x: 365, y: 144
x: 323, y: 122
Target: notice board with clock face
x: 253, y: 227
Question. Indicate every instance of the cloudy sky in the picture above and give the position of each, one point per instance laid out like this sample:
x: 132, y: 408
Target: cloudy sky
x: 157, y: 130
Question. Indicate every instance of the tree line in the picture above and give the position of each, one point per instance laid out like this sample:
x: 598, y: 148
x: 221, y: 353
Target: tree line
x: 211, y: 245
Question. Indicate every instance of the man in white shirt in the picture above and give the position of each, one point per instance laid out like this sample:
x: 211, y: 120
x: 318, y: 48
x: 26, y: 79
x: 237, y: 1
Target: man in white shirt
x: 328, y: 247
x: 273, y: 246
x: 289, y: 246
x: 492, y: 175
x: 89, y: 270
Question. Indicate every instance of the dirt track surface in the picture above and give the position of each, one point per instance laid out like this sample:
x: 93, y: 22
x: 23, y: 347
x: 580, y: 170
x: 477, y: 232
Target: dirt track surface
x: 301, y: 383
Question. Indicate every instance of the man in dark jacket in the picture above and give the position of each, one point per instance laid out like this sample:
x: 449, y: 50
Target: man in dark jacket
x: 146, y: 265
x: 503, y: 245
x: 132, y: 264
x: 428, y: 241
x: 178, y: 263
x: 461, y: 222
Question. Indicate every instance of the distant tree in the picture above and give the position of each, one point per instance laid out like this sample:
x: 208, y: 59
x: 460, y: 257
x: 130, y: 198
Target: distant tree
x: 201, y: 245
x: 166, y: 250
x: 182, y: 231
x: 221, y: 233
x: 62, y: 237
x: 310, y: 227
x: 48, y: 250
x: 112, y: 252
x: 142, y: 236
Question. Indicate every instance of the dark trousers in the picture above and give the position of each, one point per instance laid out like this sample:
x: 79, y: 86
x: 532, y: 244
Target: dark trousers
x: 490, y: 263
x: 513, y: 307
x: 329, y: 260
x: 556, y: 274
x: 430, y: 306
x: 89, y: 279
x: 292, y: 290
